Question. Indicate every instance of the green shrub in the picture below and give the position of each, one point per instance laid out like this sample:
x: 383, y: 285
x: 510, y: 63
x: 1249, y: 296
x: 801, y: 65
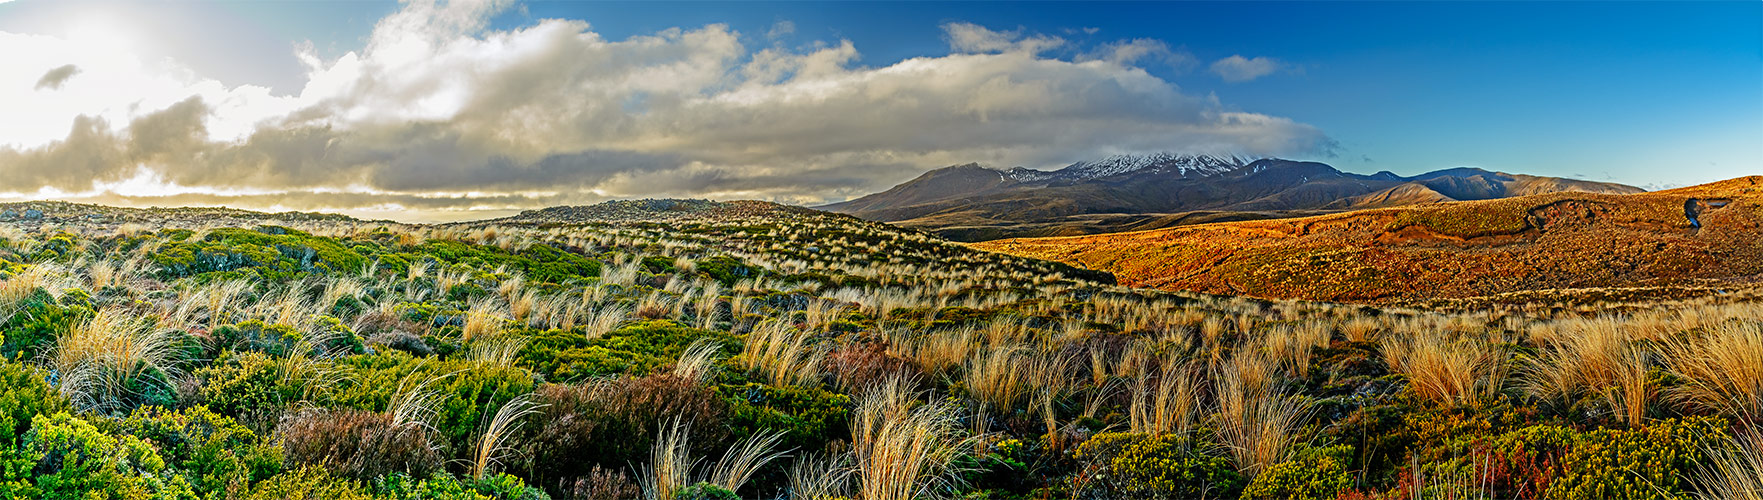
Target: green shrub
x: 809, y: 417
x: 24, y: 394
x: 38, y: 321
x: 255, y: 335
x: 1311, y: 474
x: 469, y: 392
x: 217, y: 454
x: 247, y: 384
x: 1650, y: 462
x: 706, y: 491
x: 443, y: 486
x: 66, y: 457
x: 306, y: 483
x: 1123, y: 465
x: 636, y: 349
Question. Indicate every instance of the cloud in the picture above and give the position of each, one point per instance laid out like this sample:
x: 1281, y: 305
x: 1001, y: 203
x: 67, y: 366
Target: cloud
x: 1236, y: 68
x: 781, y: 29
x: 55, y: 77
x: 976, y: 39
x: 1140, y: 50
x: 435, y: 112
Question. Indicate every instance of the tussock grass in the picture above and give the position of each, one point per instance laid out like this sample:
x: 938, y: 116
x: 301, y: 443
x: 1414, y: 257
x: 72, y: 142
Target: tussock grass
x: 600, y: 322
x: 484, y: 317
x: 698, y: 361
x: 1593, y: 357
x: 782, y: 355
x: 1167, y: 402
x: 1735, y: 471
x: 1444, y: 368
x: 492, y: 443
x: 1257, y: 421
x: 499, y: 349
x: 818, y: 477
x: 671, y: 466
x: 902, y: 448
x: 50, y: 277
x: 997, y: 378
x: 96, y: 362
x: 1722, y: 370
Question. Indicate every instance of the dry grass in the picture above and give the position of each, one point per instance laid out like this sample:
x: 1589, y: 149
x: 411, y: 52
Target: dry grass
x: 492, y: 443
x: 780, y: 354
x: 499, y: 349
x: 670, y: 464
x: 96, y: 361
x: 1735, y: 472
x: 14, y: 290
x: 598, y: 323
x: 1723, y: 371
x: 670, y: 468
x: 1596, y: 357
x: 1257, y: 421
x: 940, y: 352
x: 997, y: 378
x: 1446, y: 369
x: 698, y: 362
x: 903, y: 449
x: 657, y: 305
x: 743, y: 459
x: 484, y: 317
x: 820, y: 478
x: 1167, y: 403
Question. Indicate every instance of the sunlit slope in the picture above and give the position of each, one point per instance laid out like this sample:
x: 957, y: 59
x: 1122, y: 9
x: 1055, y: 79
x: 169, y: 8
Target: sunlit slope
x: 1463, y: 249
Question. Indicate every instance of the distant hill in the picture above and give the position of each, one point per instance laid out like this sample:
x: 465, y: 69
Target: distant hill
x: 1542, y: 241
x: 1120, y: 193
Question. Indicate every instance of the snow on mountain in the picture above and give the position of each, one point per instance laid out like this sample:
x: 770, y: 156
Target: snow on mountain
x: 1179, y: 164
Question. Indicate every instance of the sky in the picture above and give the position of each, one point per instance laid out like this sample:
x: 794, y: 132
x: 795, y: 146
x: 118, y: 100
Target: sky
x: 424, y: 110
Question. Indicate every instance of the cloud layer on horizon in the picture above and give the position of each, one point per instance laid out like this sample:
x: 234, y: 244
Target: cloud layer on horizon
x: 438, y: 113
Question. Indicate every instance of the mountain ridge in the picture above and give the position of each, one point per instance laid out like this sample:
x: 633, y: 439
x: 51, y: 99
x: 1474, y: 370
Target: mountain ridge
x: 970, y: 202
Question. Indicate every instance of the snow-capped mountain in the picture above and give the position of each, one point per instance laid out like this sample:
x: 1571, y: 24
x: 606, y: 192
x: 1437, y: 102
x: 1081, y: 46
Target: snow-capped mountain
x: 1181, y: 165
x: 1130, y: 192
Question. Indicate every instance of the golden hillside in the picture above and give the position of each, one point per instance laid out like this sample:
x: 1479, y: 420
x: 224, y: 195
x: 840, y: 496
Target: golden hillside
x: 1445, y: 250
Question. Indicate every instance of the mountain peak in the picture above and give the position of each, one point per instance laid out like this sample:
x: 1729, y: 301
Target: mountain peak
x: 1183, y: 165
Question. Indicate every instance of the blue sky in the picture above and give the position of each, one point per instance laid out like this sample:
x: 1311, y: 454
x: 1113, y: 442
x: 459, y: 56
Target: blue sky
x: 1646, y: 93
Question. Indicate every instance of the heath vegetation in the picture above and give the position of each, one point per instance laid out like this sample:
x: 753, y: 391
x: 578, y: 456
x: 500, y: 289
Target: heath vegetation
x: 704, y: 350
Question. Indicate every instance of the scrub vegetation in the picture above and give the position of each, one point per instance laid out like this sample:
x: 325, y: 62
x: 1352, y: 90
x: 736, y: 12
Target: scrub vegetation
x: 705, y: 350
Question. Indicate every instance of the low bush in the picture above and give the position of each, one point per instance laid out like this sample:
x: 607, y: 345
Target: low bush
x: 613, y: 424
x: 1123, y: 466
x: 64, y: 456
x: 306, y: 483
x: 1312, y: 474
x: 217, y: 454
x: 359, y: 445
x: 466, y: 392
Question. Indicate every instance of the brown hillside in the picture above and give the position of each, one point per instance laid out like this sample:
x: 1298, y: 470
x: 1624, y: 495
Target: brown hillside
x: 1461, y: 249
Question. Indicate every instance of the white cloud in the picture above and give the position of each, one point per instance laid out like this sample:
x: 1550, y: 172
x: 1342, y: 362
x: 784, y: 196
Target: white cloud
x: 1236, y: 68
x: 437, y: 112
x: 973, y: 38
x: 781, y: 29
